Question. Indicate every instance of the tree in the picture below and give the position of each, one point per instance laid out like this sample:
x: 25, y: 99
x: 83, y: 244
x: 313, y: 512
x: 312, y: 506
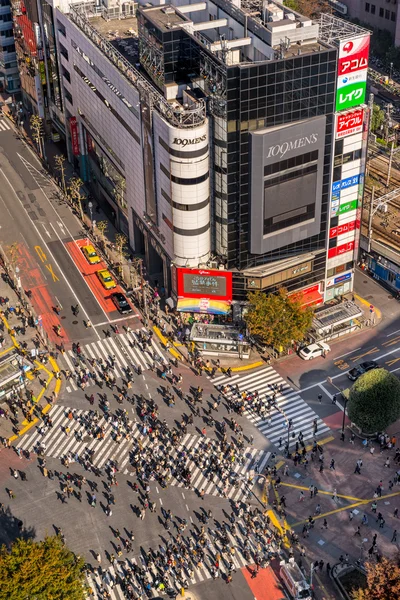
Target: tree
x: 75, y: 186
x: 383, y: 579
x: 308, y: 8
x: 377, y: 118
x: 101, y: 226
x: 37, y: 132
x: 40, y: 571
x: 374, y: 400
x: 59, y: 160
x: 119, y: 192
x: 120, y: 245
x: 278, y: 319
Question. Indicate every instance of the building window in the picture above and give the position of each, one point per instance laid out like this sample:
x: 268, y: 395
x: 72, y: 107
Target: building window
x: 393, y: 16
x: 64, y: 51
x: 61, y: 28
x: 373, y: 7
x: 381, y: 12
x: 66, y: 74
x: 68, y: 96
x: 387, y: 14
x: 367, y: 7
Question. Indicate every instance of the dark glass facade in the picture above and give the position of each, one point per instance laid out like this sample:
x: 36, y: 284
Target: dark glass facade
x: 269, y: 95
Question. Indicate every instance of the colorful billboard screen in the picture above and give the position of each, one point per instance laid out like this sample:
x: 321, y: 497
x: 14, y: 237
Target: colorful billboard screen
x: 200, y: 283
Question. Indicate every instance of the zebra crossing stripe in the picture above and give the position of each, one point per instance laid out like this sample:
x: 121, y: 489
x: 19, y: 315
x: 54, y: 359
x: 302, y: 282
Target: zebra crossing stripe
x: 4, y: 126
x: 58, y: 444
x: 288, y: 400
x: 120, y: 347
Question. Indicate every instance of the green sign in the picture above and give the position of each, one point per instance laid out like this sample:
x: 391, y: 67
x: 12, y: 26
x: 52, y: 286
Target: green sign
x: 348, y: 206
x: 351, y: 95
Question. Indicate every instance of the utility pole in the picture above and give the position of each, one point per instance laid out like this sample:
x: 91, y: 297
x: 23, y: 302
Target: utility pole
x: 143, y: 290
x: 390, y: 165
x: 371, y: 214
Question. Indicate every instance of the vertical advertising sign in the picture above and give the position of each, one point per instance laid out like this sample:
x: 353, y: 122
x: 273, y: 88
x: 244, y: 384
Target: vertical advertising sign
x: 148, y: 158
x: 349, y: 123
x: 74, y: 136
x: 352, y: 72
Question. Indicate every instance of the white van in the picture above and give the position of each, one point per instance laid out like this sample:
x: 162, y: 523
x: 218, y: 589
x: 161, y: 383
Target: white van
x: 294, y: 581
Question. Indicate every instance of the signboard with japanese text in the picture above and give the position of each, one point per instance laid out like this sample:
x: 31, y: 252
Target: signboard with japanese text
x: 349, y: 123
x: 201, y: 283
x: 342, y: 249
x: 352, y: 72
x: 74, y: 136
x: 353, y: 55
x: 342, y: 229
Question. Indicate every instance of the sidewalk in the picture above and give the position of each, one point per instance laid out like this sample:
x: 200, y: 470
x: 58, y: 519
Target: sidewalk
x: 22, y: 409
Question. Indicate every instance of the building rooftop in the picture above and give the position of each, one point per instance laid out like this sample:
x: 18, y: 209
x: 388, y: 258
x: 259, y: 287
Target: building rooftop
x: 165, y: 18
x: 122, y: 34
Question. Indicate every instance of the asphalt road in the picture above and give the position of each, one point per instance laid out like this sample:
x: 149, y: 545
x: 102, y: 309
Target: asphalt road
x: 42, y: 225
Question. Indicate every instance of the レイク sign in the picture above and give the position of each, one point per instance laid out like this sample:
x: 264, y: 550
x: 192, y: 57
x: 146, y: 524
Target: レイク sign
x: 349, y: 123
x: 353, y: 59
x: 74, y: 136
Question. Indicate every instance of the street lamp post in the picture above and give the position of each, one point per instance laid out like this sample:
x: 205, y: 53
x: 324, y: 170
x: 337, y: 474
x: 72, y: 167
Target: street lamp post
x: 90, y: 205
x: 344, y: 417
x: 390, y: 72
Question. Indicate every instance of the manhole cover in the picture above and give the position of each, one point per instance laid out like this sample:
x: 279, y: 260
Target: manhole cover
x: 365, y: 281
x: 87, y: 438
x: 63, y: 317
x: 75, y: 322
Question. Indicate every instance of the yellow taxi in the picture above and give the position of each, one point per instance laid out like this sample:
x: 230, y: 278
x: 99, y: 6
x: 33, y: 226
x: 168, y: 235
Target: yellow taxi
x: 90, y: 254
x: 106, y: 280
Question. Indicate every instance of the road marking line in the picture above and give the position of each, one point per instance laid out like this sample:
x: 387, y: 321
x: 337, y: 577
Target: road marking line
x: 394, y: 333
x: 325, y: 493
x: 41, y: 237
x: 387, y: 353
x: 347, y: 353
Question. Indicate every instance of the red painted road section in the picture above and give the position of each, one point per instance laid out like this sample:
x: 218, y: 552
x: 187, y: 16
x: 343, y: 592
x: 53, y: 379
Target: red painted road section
x: 335, y: 421
x: 89, y: 274
x: 33, y: 279
x: 265, y: 586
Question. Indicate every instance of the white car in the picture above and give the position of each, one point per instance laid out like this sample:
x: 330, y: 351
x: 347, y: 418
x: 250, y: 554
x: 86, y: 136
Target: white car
x: 313, y: 350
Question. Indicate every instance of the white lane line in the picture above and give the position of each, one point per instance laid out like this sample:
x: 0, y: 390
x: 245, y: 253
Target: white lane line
x: 48, y: 249
x: 347, y: 353
x: 387, y: 353
x: 394, y: 333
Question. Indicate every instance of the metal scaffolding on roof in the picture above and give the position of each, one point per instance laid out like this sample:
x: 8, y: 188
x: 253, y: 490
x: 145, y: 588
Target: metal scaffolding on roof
x: 333, y: 30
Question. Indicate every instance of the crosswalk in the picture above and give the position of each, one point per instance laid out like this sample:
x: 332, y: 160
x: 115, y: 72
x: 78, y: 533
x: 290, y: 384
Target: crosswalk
x: 126, y: 349
x: 109, y: 579
x: 60, y: 443
x: 4, y: 126
x: 289, y: 405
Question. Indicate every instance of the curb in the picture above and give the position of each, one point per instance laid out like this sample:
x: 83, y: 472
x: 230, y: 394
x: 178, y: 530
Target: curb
x: 177, y: 355
x: 164, y: 341
x: 44, y: 388
x: 368, y: 304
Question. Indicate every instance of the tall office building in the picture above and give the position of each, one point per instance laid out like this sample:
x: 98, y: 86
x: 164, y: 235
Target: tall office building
x: 218, y: 136
x: 9, y: 76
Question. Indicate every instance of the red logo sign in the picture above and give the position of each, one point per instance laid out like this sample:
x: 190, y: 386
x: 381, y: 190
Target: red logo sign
x: 349, y: 123
x: 348, y: 47
x: 342, y: 229
x: 74, y: 136
x: 332, y: 252
x: 353, y: 56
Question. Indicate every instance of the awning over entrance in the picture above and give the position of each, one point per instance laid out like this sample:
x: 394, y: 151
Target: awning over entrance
x: 204, y: 305
x: 312, y: 299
